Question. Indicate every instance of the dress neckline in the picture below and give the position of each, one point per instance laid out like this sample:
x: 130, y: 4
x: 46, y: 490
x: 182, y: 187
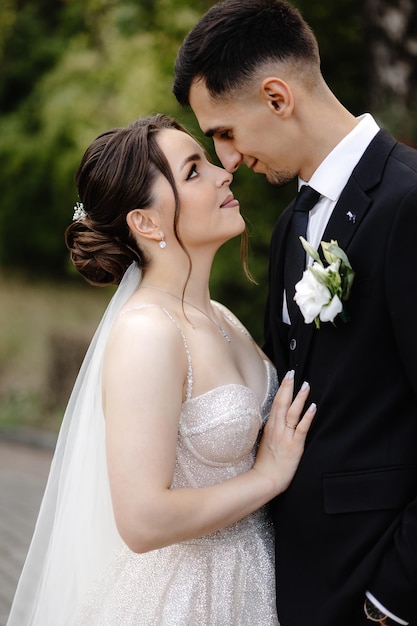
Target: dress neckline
x: 269, y: 369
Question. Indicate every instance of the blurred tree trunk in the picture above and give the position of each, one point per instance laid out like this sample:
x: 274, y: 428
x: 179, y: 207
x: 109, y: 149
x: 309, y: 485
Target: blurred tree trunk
x: 391, y: 35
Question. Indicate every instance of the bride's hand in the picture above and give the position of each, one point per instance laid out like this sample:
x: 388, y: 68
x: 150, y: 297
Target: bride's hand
x: 283, y: 439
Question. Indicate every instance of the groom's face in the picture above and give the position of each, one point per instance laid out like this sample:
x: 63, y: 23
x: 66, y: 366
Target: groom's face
x: 245, y: 132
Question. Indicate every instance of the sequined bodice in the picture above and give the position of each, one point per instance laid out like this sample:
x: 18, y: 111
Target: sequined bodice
x: 218, y: 431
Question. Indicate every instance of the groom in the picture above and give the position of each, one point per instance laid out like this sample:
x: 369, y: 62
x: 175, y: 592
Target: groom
x: 346, y: 529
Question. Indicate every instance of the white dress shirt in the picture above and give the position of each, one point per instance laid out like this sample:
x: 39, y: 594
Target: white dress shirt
x: 329, y: 180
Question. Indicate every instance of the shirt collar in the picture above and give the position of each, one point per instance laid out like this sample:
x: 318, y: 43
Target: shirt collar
x: 331, y: 176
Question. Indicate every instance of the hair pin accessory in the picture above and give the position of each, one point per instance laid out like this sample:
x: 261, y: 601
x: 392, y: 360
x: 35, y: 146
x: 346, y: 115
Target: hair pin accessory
x: 79, y: 212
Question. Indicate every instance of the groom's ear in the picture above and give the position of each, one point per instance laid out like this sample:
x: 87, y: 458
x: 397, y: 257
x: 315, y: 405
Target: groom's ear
x: 141, y: 222
x: 278, y: 96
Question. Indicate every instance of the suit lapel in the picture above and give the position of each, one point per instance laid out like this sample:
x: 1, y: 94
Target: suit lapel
x: 281, y: 232
x: 346, y: 219
x: 355, y: 199
x: 342, y: 226
x: 348, y: 214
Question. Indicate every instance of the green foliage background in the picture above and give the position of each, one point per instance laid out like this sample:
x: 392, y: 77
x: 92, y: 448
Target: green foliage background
x: 70, y: 69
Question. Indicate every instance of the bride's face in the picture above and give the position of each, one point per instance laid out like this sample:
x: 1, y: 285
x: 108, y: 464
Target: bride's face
x: 209, y: 214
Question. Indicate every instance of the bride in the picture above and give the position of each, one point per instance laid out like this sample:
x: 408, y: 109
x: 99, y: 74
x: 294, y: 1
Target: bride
x: 154, y: 512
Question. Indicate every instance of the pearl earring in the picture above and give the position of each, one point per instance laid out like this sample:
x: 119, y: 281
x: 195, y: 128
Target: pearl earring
x: 162, y: 243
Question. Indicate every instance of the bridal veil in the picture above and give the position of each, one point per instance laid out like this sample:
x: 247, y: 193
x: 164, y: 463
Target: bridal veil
x: 75, y: 534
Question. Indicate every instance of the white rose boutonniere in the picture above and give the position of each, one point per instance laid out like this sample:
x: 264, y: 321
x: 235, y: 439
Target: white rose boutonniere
x: 322, y: 290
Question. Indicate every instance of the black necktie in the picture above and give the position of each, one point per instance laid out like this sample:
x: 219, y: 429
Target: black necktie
x: 295, y: 256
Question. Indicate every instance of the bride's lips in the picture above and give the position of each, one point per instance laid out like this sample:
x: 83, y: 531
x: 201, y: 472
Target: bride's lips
x: 229, y: 202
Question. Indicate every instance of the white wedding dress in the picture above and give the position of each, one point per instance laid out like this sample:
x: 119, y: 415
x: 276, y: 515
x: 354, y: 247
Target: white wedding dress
x: 224, y: 579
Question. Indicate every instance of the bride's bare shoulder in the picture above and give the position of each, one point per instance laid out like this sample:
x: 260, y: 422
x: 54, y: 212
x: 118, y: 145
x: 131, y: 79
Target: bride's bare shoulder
x: 146, y: 326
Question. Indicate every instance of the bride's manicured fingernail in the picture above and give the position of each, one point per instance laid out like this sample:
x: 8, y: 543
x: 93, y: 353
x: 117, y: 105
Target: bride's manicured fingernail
x: 289, y: 375
x: 312, y: 407
x: 304, y: 386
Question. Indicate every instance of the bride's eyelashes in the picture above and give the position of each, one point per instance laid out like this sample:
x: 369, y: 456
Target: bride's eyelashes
x: 192, y: 172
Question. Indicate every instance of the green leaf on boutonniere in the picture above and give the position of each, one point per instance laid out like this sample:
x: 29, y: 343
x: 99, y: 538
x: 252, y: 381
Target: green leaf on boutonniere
x: 310, y: 250
x: 332, y: 252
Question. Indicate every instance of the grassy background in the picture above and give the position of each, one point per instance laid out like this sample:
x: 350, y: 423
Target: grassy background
x: 44, y: 333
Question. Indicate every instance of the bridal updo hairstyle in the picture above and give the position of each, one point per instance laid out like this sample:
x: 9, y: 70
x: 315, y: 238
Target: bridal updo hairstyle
x: 116, y: 175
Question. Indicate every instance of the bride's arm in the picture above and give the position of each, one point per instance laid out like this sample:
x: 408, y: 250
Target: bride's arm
x: 143, y: 381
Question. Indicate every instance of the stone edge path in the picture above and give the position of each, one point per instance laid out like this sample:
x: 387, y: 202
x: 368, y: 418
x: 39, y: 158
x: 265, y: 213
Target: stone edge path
x: 25, y: 458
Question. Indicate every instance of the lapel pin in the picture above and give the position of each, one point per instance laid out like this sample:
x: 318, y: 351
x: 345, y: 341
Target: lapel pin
x: 351, y: 217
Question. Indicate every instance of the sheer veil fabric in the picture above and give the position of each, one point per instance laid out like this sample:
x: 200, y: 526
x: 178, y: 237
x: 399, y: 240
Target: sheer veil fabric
x: 75, y: 534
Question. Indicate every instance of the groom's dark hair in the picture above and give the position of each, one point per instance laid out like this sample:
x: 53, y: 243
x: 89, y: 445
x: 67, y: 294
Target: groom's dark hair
x: 234, y: 38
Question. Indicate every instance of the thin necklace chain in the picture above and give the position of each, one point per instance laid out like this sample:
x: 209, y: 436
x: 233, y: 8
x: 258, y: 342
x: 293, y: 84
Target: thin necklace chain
x: 219, y: 326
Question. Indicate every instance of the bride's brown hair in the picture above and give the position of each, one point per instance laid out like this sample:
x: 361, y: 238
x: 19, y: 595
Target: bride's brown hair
x: 116, y: 175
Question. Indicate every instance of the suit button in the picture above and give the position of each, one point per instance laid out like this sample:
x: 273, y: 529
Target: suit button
x: 293, y: 344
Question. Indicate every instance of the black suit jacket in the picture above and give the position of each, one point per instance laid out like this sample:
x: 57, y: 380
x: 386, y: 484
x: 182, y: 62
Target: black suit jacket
x: 348, y: 522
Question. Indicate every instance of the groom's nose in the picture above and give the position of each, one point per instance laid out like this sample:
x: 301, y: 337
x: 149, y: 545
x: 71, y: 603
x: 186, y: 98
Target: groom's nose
x: 230, y: 158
